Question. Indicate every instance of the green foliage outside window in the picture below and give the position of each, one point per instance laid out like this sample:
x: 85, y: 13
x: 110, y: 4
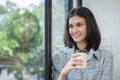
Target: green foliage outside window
x: 2, y: 9
x: 20, y: 40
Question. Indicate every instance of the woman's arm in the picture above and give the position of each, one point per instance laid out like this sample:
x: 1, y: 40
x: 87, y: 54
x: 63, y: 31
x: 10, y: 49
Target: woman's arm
x: 108, y: 68
x: 71, y: 64
x: 62, y: 76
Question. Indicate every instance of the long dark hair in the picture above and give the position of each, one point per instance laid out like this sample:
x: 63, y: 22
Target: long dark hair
x: 93, y: 37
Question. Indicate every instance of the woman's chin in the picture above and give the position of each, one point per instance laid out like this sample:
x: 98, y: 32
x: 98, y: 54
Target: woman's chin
x: 76, y: 40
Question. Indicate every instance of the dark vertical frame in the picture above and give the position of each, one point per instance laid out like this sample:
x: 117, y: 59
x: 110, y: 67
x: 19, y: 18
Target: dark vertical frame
x: 68, y: 5
x: 48, y: 38
x: 79, y: 3
x: 48, y: 33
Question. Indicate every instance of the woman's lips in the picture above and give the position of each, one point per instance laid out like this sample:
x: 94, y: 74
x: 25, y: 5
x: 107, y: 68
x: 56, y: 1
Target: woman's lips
x: 76, y: 36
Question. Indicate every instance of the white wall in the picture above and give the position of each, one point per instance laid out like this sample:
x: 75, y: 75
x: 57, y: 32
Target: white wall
x: 107, y: 13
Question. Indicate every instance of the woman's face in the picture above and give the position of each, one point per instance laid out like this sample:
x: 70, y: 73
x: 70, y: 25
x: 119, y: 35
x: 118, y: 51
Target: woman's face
x: 77, y: 29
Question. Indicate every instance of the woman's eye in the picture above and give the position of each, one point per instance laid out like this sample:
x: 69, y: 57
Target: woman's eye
x: 70, y: 26
x: 79, y: 25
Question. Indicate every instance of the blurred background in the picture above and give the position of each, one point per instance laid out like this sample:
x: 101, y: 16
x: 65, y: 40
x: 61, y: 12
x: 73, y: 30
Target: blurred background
x: 22, y: 54
x: 107, y: 13
x: 22, y: 34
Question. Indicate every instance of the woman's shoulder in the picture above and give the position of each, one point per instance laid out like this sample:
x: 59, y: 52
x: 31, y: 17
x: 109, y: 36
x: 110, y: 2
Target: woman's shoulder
x: 105, y: 53
x: 60, y: 57
x: 62, y: 51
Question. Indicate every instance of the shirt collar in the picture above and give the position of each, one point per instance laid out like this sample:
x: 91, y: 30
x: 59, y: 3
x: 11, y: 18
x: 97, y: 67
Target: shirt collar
x: 92, y: 53
x: 95, y: 53
x: 70, y: 51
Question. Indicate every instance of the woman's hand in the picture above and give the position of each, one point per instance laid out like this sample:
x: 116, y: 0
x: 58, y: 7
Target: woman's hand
x: 71, y: 64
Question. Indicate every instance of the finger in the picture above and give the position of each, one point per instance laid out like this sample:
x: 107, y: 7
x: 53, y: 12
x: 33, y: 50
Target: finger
x: 77, y: 67
x: 78, y: 63
x: 74, y: 63
x: 76, y: 59
x: 75, y: 55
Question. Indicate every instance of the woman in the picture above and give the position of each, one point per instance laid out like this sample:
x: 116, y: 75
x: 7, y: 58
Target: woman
x: 82, y: 33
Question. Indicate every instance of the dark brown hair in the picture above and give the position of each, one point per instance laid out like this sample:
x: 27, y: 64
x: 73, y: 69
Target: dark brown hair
x: 93, y: 37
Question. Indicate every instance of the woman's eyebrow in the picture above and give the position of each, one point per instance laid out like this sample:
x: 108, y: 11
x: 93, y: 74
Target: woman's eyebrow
x: 79, y: 22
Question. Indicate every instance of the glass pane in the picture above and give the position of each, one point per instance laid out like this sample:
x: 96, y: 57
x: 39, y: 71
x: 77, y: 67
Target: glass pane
x: 75, y: 3
x: 22, y: 40
x: 58, y: 23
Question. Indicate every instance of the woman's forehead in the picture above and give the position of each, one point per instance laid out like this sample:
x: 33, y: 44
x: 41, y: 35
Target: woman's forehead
x: 76, y: 19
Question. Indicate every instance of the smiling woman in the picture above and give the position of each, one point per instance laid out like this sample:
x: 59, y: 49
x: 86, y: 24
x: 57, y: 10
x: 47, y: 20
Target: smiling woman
x: 82, y: 34
x: 77, y: 30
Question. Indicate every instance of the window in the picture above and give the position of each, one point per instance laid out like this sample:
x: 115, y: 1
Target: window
x: 58, y: 23
x: 22, y: 40
x: 25, y: 45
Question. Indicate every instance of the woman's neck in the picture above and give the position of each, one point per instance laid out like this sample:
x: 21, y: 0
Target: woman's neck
x: 81, y: 46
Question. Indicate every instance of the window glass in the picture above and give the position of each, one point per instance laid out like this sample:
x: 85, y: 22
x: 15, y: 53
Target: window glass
x: 58, y: 23
x: 75, y: 3
x: 22, y: 40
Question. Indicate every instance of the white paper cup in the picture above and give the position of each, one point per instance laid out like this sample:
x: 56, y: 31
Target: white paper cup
x: 82, y: 56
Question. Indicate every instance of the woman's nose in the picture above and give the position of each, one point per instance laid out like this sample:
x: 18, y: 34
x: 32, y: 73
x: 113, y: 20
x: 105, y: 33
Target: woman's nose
x: 75, y: 29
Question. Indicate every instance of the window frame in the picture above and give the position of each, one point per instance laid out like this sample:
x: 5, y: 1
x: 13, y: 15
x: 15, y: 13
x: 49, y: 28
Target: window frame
x: 48, y: 33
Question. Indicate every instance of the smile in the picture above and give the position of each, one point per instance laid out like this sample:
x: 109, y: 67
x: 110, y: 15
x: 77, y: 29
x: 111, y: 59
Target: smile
x: 76, y: 36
